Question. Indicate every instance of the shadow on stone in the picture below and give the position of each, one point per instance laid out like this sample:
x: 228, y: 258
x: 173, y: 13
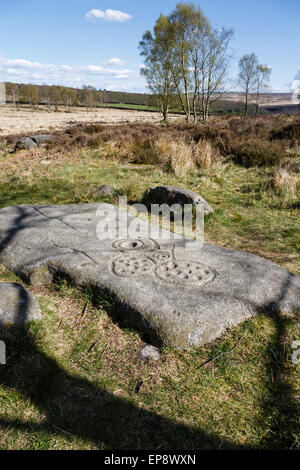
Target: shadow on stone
x: 121, y: 314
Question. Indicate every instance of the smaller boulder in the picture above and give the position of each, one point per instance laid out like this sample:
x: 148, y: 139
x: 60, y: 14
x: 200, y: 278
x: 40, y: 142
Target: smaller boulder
x: 25, y: 143
x: 33, y: 141
x: 17, y: 305
x: 172, y: 195
x: 150, y: 352
x: 41, y: 139
x: 103, y: 190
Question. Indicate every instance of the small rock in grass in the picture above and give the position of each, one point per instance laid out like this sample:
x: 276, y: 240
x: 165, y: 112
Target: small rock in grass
x: 150, y: 352
x: 25, y: 143
x: 33, y: 141
x: 17, y: 305
x: 103, y: 190
x: 41, y: 139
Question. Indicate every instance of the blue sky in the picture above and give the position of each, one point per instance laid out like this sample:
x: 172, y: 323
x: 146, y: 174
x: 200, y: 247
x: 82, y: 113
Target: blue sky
x: 76, y: 42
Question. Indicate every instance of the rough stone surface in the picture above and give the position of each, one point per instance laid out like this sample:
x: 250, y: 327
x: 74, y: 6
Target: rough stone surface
x: 25, y: 143
x: 17, y: 305
x: 179, y: 297
x: 173, y: 195
x: 41, y: 139
x: 32, y: 141
x: 104, y: 190
x: 150, y: 352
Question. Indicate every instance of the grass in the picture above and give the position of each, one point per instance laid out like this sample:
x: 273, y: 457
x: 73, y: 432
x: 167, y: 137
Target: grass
x: 72, y: 379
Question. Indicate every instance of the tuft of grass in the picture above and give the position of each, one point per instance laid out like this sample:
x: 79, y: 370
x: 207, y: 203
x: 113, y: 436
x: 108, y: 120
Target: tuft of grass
x: 284, y: 183
x: 205, y: 155
x: 174, y: 154
x: 181, y: 155
x: 130, y: 189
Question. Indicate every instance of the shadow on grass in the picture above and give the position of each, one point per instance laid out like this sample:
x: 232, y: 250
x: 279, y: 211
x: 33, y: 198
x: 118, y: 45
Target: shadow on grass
x: 281, y: 404
x: 75, y: 407
x: 280, y: 407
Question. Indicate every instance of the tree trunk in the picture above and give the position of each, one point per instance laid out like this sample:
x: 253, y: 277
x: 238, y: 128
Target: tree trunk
x: 194, y: 111
x: 166, y: 112
x: 246, y: 103
x: 206, y: 111
x: 188, y: 108
x: 194, y: 106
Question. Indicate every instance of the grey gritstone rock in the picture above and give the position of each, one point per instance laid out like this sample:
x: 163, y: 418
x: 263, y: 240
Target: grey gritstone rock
x: 150, y: 352
x: 172, y: 195
x: 25, y: 143
x: 41, y: 139
x: 180, y: 297
x: 17, y: 305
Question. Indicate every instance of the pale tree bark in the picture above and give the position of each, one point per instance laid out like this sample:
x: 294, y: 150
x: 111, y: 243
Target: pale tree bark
x: 214, y: 69
x: 247, y: 76
x: 157, y: 51
x: 262, y: 82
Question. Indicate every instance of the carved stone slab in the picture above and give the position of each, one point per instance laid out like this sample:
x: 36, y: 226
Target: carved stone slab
x: 178, y: 297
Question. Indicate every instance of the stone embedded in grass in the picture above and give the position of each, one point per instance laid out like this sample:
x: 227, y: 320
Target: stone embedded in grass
x: 41, y: 139
x: 17, y: 305
x: 103, y: 190
x: 27, y: 143
x: 150, y: 352
x: 178, y: 297
x: 172, y: 195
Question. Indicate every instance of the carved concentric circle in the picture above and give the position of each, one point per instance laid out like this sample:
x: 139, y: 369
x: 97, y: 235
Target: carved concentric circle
x: 187, y: 273
x: 130, y: 244
x: 133, y: 265
x: 161, y: 256
x: 143, y: 256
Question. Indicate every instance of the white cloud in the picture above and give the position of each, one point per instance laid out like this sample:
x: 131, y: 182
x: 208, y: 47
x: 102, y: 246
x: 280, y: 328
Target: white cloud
x: 25, y: 71
x: 66, y: 67
x: 93, y: 68
x: 108, y: 15
x: 115, y: 61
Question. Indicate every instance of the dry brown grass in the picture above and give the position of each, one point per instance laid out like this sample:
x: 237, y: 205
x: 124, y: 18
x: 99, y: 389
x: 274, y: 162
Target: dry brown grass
x: 130, y: 189
x: 28, y: 121
x: 204, y: 154
x: 173, y: 153
x: 182, y: 155
x: 284, y: 183
x: 181, y: 147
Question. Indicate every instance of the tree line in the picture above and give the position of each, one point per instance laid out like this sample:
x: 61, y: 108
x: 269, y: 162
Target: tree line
x: 55, y: 95
x: 186, y: 57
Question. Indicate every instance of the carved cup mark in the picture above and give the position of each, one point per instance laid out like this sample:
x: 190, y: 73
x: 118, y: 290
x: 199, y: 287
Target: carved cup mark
x: 188, y: 273
x: 133, y: 265
x: 143, y: 256
x: 136, y: 244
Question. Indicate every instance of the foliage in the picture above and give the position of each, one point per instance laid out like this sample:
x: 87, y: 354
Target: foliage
x: 188, y: 56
